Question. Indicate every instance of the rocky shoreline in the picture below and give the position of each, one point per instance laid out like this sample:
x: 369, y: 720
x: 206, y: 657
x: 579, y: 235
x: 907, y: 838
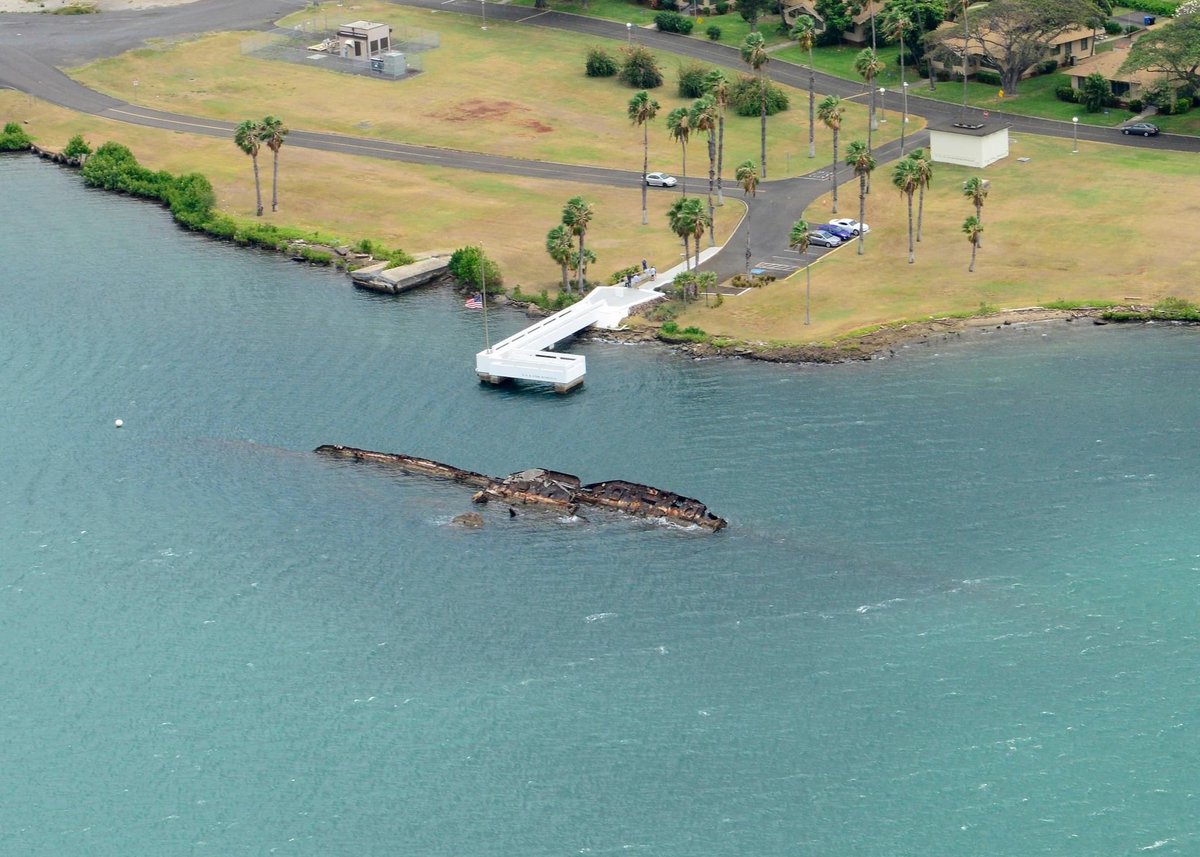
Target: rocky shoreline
x: 878, y: 344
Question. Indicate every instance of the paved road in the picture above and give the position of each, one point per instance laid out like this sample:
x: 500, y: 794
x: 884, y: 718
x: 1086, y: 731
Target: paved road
x: 33, y: 47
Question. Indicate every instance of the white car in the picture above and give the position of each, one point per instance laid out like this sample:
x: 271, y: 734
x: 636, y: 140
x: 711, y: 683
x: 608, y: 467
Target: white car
x: 660, y: 180
x: 853, y: 225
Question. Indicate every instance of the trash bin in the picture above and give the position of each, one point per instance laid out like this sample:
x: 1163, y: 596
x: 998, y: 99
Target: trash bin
x: 1148, y: 20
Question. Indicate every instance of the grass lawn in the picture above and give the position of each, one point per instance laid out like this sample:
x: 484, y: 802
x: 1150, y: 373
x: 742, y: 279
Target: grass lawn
x: 1040, y: 244
x: 416, y: 207
x: 510, y: 90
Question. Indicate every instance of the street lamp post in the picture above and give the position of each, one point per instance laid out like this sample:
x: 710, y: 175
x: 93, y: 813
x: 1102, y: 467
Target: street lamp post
x: 904, y: 116
x: 483, y: 11
x: 1074, y: 134
x: 882, y: 105
x: 629, y: 33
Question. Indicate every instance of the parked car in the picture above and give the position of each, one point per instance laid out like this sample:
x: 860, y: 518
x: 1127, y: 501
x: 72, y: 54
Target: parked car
x: 821, y: 238
x: 840, y: 231
x: 1146, y: 129
x: 660, y: 180
x: 853, y: 225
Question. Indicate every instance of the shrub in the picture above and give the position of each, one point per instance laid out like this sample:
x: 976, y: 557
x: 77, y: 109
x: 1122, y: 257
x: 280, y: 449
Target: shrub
x: 1177, y: 308
x: 1181, y: 106
x: 722, y: 7
x: 1166, y: 8
x: 744, y: 96
x: 991, y: 78
x: 691, y: 80
x: 1135, y: 105
x: 600, y: 63
x: 471, y: 267
x: 315, y: 257
x: 14, y: 138
x: 77, y: 147
x: 1113, y: 28
x: 673, y: 22
x: 1064, y: 92
x: 1046, y: 66
x: 639, y: 68
x: 713, y: 33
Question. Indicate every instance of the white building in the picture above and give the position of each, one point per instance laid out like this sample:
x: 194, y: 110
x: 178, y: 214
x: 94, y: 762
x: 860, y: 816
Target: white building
x: 968, y: 144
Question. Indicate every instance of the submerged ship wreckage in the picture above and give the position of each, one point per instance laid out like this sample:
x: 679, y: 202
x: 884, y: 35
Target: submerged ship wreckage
x: 548, y: 488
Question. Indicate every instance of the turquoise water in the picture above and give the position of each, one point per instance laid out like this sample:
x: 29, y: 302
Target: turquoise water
x: 955, y: 611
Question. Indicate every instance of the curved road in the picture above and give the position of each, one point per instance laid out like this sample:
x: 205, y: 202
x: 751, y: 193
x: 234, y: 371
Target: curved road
x: 33, y: 47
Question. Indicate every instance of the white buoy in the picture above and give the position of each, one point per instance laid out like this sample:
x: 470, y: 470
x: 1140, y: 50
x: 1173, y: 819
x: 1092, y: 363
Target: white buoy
x: 118, y: 423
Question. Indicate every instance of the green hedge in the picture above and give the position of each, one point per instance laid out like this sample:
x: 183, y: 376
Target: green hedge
x: 673, y: 22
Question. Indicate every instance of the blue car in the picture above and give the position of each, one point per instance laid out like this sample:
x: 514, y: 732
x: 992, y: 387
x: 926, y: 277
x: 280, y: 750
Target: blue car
x: 840, y: 231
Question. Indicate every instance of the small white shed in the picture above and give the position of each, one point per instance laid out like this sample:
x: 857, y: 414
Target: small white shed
x: 363, y: 39
x: 968, y: 144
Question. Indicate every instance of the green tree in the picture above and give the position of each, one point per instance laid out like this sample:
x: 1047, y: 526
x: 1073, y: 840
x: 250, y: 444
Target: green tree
x: 77, y: 147
x: 924, y: 174
x: 639, y: 68
x: 976, y: 190
x: 703, y: 118
x: 973, y: 229
x: 869, y: 66
x: 747, y: 177
x: 471, y: 267
x: 680, y: 218
x: 752, y: 10
x: 804, y: 32
x: 560, y: 247
x: 859, y: 158
x: 14, y: 138
x: 700, y: 223
x: 1009, y: 36
x: 904, y: 178
x: 798, y: 240
x: 577, y: 217
x: 830, y: 112
x: 247, y: 137
x: 679, y: 128
x: 1095, y: 92
x: 642, y: 108
x: 923, y: 17
x: 1172, y: 50
x: 718, y: 88
x: 754, y: 54
x: 272, y: 133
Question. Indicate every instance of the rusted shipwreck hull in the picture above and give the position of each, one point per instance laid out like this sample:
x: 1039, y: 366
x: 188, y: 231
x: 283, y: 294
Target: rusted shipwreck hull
x: 548, y: 488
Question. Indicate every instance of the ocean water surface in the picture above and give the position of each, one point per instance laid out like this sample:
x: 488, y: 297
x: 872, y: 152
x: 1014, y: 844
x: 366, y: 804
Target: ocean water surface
x: 955, y: 611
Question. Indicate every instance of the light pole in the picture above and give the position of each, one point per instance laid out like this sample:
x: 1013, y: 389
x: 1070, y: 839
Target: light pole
x: 904, y: 116
x: 882, y: 105
x: 629, y: 33
x: 483, y: 11
x: 1074, y: 134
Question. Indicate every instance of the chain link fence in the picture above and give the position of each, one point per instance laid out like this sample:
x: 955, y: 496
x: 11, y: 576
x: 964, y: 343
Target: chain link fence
x: 314, y: 44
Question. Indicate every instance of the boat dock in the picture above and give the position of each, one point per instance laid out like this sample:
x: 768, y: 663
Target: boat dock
x: 525, y: 355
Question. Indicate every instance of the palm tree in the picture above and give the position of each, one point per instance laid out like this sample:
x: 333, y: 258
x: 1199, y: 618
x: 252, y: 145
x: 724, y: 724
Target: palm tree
x: 754, y: 54
x: 700, y: 222
x: 798, y: 241
x: 718, y: 87
x: 924, y: 173
x: 703, y: 117
x: 246, y: 138
x: 859, y: 157
x: 830, y: 112
x: 805, y: 34
x: 904, y: 178
x: 897, y: 25
x: 577, y: 216
x: 869, y: 65
x: 972, y: 228
x: 747, y: 176
x: 561, y: 249
x: 271, y: 132
x: 643, y: 108
x: 679, y: 216
x: 976, y: 190
x: 679, y: 127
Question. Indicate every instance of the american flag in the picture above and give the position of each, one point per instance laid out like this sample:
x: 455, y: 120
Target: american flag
x: 474, y: 302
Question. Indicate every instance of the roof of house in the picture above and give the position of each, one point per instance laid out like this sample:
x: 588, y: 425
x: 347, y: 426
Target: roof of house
x: 1109, y: 64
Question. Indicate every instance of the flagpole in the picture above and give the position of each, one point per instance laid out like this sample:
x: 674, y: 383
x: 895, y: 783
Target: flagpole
x: 487, y: 340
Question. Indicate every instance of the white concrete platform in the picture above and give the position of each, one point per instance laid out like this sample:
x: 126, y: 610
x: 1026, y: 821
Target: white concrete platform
x: 525, y: 355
